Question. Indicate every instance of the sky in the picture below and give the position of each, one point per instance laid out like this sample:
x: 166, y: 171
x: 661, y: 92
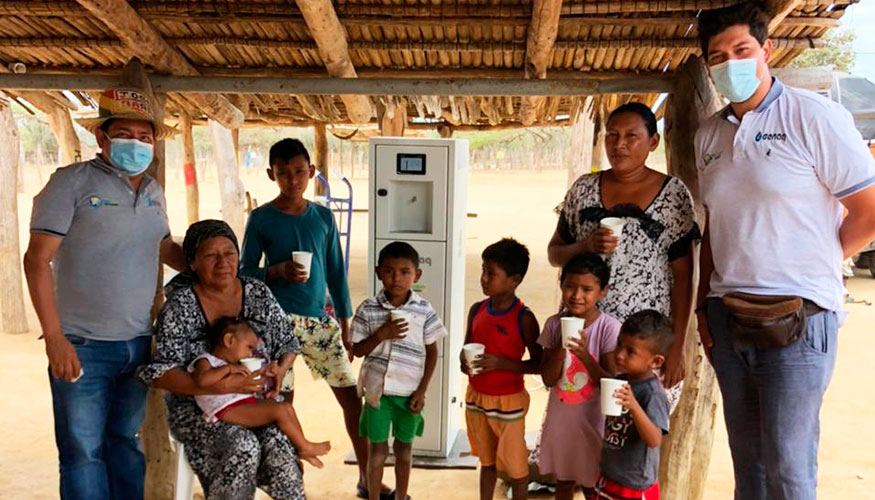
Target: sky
x: 861, y: 18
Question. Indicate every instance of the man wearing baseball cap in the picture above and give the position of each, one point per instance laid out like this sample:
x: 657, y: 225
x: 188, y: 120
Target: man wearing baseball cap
x: 98, y: 231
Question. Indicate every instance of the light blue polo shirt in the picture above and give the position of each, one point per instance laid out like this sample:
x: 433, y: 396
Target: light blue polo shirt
x: 772, y: 182
x: 106, y: 268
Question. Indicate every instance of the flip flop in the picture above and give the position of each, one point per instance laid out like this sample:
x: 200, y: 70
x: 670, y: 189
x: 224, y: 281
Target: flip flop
x: 362, y: 492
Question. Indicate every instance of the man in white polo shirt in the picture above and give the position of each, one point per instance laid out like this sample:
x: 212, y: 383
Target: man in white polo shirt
x: 778, y: 168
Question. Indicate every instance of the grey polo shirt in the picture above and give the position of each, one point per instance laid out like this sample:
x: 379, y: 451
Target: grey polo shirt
x: 106, y: 268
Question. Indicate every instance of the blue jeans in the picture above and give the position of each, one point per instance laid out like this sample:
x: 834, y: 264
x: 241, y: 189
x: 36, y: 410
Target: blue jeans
x: 97, y: 419
x: 771, y: 403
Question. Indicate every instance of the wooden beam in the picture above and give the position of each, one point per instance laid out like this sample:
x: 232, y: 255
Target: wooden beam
x: 326, y: 30
x: 193, y: 85
x: 779, y: 10
x: 13, y: 318
x: 231, y: 189
x: 540, y: 38
x: 461, y: 47
x: 817, y: 78
x: 145, y: 41
x: 192, y: 197
x: 685, y: 454
x: 202, y: 14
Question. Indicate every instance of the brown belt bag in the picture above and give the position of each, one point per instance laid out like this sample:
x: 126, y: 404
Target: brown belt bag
x: 767, y: 320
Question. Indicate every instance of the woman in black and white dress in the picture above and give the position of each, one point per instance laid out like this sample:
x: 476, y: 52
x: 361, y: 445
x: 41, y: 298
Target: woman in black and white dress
x: 652, y: 260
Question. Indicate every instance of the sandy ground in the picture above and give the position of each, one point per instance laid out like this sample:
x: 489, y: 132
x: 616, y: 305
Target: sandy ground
x: 28, y: 458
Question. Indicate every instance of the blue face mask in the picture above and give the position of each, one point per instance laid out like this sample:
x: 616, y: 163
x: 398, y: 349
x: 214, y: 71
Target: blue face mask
x: 736, y: 79
x: 130, y: 155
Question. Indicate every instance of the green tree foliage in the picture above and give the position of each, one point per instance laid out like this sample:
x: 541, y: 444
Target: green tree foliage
x: 838, y: 52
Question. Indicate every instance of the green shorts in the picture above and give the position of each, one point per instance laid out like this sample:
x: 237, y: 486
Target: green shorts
x: 394, y: 411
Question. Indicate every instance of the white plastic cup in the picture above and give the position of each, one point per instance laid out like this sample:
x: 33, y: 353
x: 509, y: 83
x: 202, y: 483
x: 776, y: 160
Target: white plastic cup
x: 615, y: 224
x: 610, y: 406
x: 305, y: 259
x: 571, y: 327
x: 402, y: 315
x: 252, y: 364
x: 473, y: 351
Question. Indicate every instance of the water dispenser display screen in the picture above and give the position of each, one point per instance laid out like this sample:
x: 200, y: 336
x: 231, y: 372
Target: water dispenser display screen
x: 411, y: 164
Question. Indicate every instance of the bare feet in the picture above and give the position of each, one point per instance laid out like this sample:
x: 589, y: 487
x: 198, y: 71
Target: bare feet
x: 311, y: 451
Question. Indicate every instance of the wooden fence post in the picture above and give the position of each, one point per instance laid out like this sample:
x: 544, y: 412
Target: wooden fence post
x: 582, y: 130
x: 686, y: 452
x: 12, y: 316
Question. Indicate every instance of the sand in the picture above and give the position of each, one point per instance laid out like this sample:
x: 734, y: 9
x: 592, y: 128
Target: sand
x: 518, y: 204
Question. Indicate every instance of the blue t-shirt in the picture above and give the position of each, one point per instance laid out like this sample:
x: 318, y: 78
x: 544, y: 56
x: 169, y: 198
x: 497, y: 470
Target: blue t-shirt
x: 275, y: 234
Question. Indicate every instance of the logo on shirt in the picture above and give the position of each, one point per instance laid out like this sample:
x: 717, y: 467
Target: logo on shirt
x: 711, y: 157
x: 96, y: 201
x: 777, y: 136
x: 502, y: 330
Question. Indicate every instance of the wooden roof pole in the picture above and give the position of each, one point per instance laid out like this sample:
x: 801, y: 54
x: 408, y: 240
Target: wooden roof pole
x: 685, y: 456
x: 539, y: 43
x: 330, y: 37
x: 145, y: 41
x: 779, y: 10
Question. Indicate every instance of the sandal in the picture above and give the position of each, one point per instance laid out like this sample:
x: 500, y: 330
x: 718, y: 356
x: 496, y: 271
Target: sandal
x: 362, y: 492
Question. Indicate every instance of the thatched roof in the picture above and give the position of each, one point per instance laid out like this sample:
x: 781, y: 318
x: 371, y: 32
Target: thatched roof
x: 385, y: 39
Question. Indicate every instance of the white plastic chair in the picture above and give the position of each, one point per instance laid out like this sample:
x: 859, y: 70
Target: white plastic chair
x: 183, y: 487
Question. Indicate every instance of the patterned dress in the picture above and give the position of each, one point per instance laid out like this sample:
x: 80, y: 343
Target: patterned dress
x: 230, y: 460
x: 641, y: 275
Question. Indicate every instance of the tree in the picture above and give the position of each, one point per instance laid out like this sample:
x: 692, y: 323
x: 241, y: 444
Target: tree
x: 838, y: 52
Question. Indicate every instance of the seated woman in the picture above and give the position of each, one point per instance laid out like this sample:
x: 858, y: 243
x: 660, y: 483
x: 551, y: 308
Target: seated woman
x: 230, y: 460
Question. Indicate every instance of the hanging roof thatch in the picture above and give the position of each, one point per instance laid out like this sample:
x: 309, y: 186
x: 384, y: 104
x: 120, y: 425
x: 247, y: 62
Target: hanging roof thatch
x: 389, y: 39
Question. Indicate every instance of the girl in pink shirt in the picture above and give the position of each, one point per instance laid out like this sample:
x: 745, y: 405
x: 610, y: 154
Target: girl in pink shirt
x: 571, y: 438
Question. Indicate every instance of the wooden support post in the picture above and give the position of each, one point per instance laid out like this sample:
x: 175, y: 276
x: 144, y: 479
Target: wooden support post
x: 392, y: 118
x: 581, y: 141
x: 320, y: 159
x: 12, y: 315
x: 155, y: 434
x: 231, y: 189
x: 69, y: 149
x: 192, y: 198
x: 686, y: 451
x: 598, y: 149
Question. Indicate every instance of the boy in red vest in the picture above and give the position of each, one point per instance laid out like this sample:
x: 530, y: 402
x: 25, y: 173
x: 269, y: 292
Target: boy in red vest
x: 497, y: 401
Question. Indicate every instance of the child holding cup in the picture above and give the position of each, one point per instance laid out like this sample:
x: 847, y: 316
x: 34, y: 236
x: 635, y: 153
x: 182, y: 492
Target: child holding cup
x: 397, y: 333
x: 232, y: 342
x: 496, y: 402
x: 630, y: 452
x: 578, y: 351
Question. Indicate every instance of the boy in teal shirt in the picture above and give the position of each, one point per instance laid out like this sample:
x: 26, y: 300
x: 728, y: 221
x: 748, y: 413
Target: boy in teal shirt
x: 292, y: 223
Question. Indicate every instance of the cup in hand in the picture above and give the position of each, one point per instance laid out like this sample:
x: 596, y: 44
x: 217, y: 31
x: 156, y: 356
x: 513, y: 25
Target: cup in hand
x: 402, y: 315
x: 252, y: 364
x: 303, y: 258
x: 610, y: 406
x: 615, y: 224
x: 472, y: 352
x: 571, y: 327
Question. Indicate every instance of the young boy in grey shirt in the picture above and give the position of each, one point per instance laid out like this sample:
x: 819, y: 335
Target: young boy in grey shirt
x: 630, y: 454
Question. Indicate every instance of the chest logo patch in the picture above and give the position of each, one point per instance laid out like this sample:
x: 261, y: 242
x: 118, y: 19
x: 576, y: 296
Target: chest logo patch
x: 777, y: 136
x: 96, y: 202
x: 711, y: 158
